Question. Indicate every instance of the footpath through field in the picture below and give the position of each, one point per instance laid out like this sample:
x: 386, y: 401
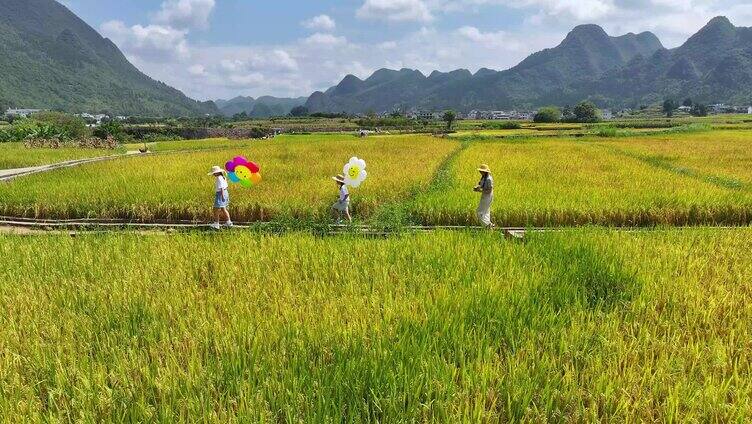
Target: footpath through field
x: 9, y: 174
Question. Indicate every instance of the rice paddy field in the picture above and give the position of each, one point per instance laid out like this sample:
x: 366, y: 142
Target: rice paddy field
x: 634, y: 307
x: 564, y: 181
x: 582, y: 325
x: 675, y: 178
x: 296, y: 170
x: 15, y: 155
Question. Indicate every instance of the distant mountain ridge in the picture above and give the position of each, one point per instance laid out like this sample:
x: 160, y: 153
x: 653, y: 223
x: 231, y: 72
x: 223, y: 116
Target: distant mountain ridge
x: 263, y: 107
x: 51, y: 59
x: 623, y: 71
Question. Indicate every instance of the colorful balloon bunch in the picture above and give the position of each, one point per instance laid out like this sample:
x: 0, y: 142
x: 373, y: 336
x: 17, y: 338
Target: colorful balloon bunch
x: 240, y: 170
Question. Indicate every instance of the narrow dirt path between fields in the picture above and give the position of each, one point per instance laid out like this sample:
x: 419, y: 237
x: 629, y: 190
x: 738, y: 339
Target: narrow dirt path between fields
x: 28, y: 226
x: 9, y: 174
x: 666, y: 165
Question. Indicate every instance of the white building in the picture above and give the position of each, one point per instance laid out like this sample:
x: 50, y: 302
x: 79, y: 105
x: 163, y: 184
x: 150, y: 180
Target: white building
x: 423, y: 115
x: 500, y: 115
x: 685, y: 109
x: 749, y: 110
x: 97, y: 118
x: 21, y: 113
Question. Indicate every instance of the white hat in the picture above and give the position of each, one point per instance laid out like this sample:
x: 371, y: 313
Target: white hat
x: 216, y: 170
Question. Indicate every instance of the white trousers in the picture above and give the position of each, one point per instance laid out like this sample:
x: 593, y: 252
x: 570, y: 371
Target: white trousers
x: 484, y: 209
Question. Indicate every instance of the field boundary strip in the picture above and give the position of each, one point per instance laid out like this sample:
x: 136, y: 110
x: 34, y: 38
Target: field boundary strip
x: 11, y: 174
x: 122, y: 225
x: 666, y: 165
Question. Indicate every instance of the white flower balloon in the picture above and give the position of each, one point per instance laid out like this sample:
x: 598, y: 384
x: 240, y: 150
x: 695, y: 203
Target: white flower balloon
x: 355, y: 172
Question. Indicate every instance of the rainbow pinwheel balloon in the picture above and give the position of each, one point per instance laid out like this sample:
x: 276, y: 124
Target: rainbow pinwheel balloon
x: 240, y: 170
x: 355, y: 172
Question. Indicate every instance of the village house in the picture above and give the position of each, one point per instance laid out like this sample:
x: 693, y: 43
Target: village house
x: 98, y: 118
x: 423, y: 115
x: 22, y: 113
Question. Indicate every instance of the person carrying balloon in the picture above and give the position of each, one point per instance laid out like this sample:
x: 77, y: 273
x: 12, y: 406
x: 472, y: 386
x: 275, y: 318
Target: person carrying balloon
x: 221, y: 198
x: 353, y: 174
x: 342, y: 205
x: 486, y: 188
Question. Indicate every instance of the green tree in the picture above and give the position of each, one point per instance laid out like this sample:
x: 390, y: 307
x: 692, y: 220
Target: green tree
x: 687, y: 102
x: 567, y: 114
x: 548, y: 114
x: 112, y: 129
x: 449, y: 117
x: 669, y: 106
x: 699, y: 109
x: 68, y: 126
x: 587, y: 112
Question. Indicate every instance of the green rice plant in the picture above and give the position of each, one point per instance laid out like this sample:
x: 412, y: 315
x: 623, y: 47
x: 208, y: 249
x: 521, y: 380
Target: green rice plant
x: 15, y: 155
x: 571, y: 326
x: 297, y: 182
x: 563, y: 182
x: 640, y: 180
x: 502, y: 125
x: 723, y: 155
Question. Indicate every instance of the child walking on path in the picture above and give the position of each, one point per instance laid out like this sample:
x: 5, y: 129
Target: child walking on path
x: 221, y: 198
x: 486, y: 188
x: 342, y: 206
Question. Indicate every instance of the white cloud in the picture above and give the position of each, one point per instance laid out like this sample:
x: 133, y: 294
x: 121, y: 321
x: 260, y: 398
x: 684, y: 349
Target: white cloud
x: 323, y: 40
x: 253, y: 78
x: 185, y: 13
x: 282, y: 60
x: 321, y: 22
x: 395, y: 10
x: 498, y: 39
x: 197, y: 70
x: 300, y: 66
x: 151, y: 42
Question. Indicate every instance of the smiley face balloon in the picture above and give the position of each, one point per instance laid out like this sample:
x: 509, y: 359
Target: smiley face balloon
x: 355, y: 172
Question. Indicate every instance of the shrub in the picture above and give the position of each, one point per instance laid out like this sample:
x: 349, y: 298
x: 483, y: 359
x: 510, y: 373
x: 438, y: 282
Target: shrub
x: 504, y: 125
x: 68, y: 126
x: 607, y: 131
x: 112, y: 129
x: 547, y: 115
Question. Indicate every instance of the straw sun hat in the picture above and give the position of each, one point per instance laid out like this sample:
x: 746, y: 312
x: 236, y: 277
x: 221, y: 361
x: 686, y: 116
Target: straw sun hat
x: 484, y: 168
x: 216, y: 170
x: 339, y: 178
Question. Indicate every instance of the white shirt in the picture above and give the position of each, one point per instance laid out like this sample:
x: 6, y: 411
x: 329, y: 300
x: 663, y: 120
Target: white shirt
x: 220, y: 184
x: 344, y: 194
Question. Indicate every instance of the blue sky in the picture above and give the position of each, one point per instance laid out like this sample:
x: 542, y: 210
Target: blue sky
x: 222, y: 48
